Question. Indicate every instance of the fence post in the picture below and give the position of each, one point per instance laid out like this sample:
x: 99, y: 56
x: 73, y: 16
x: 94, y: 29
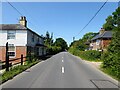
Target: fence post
x: 21, y: 59
x: 7, y: 58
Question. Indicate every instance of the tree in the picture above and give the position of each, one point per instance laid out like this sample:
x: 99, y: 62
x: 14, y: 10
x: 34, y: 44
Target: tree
x: 60, y: 42
x: 112, y: 56
x: 48, y: 41
x: 80, y: 44
x: 113, y: 20
x: 109, y: 25
x: 89, y: 36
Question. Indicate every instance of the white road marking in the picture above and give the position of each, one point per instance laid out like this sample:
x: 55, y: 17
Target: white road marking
x: 63, y: 70
x: 62, y: 57
x: 62, y: 61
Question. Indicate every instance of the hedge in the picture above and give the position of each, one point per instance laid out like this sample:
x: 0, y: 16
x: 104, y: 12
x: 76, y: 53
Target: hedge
x: 91, y: 55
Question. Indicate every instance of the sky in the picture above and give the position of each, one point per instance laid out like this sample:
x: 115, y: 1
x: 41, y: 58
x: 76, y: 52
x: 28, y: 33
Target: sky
x: 64, y: 19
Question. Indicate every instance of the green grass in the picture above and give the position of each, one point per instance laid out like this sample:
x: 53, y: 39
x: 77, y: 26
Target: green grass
x: 16, y: 70
x: 109, y: 72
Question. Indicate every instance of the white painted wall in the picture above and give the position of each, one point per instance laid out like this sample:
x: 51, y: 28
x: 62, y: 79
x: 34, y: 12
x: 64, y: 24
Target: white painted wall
x: 29, y: 39
x: 20, y: 39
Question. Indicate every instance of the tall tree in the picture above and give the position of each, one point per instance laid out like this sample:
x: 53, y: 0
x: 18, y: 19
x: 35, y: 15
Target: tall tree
x: 48, y: 39
x: 109, y: 25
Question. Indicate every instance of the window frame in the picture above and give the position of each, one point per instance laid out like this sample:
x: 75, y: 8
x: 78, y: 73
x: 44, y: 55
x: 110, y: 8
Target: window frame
x: 11, y: 34
x: 12, y: 51
x: 98, y: 42
x: 33, y: 38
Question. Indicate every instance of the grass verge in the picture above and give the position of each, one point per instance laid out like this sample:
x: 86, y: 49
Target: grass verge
x: 16, y: 70
x: 109, y: 72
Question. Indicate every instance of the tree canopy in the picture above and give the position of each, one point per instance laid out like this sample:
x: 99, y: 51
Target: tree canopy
x: 113, y: 20
x: 60, y: 42
x: 54, y: 47
x: 80, y: 44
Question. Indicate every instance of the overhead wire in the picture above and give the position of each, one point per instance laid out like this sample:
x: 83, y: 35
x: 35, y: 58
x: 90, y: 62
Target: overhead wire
x: 91, y: 19
x: 19, y: 12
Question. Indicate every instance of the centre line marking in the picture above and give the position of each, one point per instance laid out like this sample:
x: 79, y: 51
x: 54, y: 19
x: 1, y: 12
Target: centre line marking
x: 62, y: 61
x: 63, y: 70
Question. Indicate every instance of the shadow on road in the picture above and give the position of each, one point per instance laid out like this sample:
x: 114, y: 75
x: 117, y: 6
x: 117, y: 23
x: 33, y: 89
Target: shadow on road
x: 43, y: 58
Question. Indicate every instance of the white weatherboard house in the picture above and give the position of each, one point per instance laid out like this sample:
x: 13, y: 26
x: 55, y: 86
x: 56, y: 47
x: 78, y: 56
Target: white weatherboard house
x: 21, y: 40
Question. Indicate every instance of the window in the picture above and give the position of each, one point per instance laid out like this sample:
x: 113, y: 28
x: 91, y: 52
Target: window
x: 38, y: 40
x: 11, y: 34
x: 32, y: 37
x: 97, y: 42
x: 91, y: 44
x: 11, y: 50
x: 11, y: 54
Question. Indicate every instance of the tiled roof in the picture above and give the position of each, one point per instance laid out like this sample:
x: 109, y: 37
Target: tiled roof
x: 106, y: 34
x: 16, y: 27
x: 12, y: 27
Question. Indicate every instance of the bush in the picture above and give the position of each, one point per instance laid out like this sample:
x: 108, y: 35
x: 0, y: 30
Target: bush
x: 111, y: 64
x: 91, y: 55
x: 111, y: 61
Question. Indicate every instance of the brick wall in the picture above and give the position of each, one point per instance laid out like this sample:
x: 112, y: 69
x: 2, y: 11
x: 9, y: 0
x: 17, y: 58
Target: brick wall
x: 19, y: 50
x: 105, y: 43
x: 2, y: 53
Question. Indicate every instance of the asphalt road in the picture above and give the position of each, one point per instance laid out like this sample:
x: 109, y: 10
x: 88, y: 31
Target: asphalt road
x: 62, y: 70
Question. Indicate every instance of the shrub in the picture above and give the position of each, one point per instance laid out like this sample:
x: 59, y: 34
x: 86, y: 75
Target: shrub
x: 91, y: 55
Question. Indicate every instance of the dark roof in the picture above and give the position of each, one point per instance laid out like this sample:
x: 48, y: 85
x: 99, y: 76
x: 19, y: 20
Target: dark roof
x: 106, y: 34
x: 16, y: 27
x: 12, y: 27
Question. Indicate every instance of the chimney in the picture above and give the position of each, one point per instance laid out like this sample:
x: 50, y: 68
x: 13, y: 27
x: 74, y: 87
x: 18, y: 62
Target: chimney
x: 101, y: 31
x: 23, y: 21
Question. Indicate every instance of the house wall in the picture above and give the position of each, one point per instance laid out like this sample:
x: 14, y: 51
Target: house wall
x: 105, y: 43
x: 29, y: 39
x: 19, y: 42
x: 102, y: 45
x: 22, y: 41
x: 95, y: 46
x: 32, y: 44
x: 2, y: 53
x: 19, y: 50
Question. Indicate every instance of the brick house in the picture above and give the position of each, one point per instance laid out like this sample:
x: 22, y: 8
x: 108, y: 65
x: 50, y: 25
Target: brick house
x: 21, y: 40
x: 101, y: 40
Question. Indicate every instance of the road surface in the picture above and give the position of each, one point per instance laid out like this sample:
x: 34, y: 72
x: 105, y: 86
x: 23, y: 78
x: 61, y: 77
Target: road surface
x: 62, y: 70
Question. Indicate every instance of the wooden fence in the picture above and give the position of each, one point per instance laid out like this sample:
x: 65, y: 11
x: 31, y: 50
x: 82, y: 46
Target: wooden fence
x: 8, y: 62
